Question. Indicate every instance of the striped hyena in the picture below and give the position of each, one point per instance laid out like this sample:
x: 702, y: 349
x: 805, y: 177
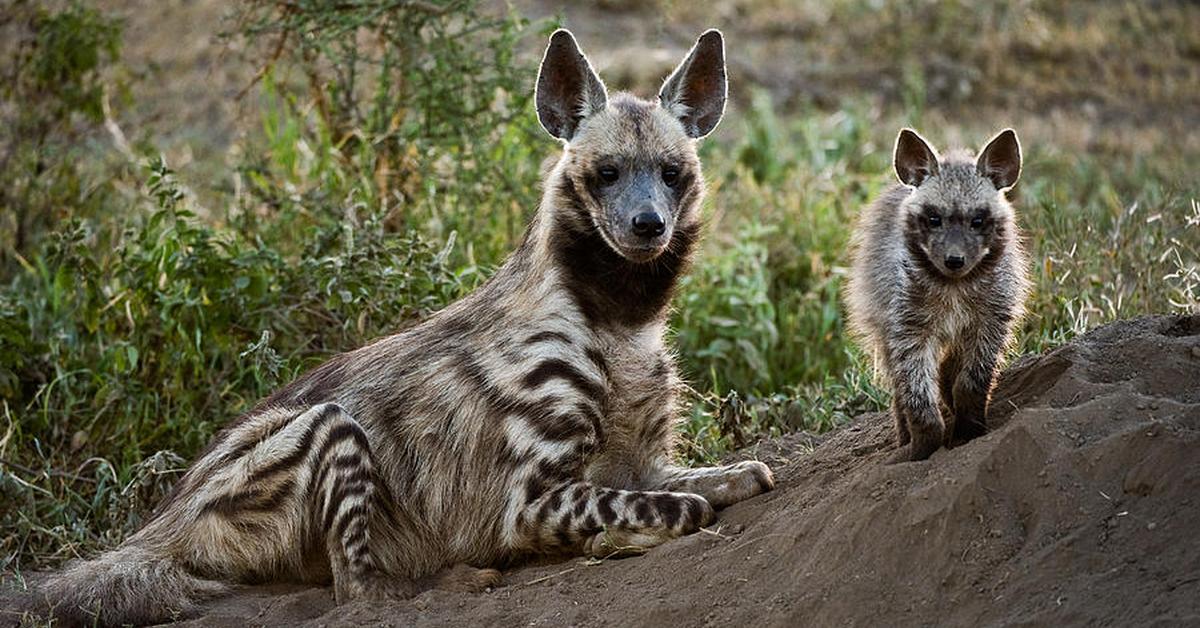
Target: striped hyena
x: 939, y: 280
x: 535, y: 416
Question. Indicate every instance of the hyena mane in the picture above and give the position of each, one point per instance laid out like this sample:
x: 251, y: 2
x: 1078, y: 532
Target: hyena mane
x: 535, y: 416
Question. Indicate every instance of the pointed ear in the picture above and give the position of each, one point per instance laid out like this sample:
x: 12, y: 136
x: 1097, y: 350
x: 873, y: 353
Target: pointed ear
x: 1000, y: 160
x: 568, y: 90
x: 914, y: 160
x: 695, y: 91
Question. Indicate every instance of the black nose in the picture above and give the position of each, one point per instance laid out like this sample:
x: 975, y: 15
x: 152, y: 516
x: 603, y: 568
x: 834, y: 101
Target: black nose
x: 648, y: 224
x: 954, y: 262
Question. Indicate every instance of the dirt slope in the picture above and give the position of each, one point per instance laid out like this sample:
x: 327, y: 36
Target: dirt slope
x: 1082, y: 507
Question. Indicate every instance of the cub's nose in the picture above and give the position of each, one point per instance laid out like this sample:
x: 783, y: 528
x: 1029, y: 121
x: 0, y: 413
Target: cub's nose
x: 954, y: 262
x: 648, y: 224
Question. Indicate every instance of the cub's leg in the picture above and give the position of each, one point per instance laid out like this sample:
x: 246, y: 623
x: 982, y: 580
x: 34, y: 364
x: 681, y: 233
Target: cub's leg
x: 581, y: 517
x: 973, y: 384
x: 913, y: 370
x: 284, y: 486
x: 947, y: 373
x: 721, y: 486
x: 898, y: 415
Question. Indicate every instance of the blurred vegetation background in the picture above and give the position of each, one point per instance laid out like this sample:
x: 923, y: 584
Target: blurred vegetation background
x: 197, y: 203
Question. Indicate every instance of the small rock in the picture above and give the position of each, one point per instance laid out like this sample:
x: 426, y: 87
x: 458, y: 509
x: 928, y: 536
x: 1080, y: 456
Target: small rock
x: 1196, y: 352
x: 1151, y: 525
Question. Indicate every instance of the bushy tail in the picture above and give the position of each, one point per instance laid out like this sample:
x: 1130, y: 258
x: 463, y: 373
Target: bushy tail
x: 129, y: 585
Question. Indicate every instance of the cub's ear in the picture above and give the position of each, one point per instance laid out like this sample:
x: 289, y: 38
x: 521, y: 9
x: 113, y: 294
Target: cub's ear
x: 568, y: 90
x: 1000, y: 160
x: 914, y: 160
x: 695, y: 91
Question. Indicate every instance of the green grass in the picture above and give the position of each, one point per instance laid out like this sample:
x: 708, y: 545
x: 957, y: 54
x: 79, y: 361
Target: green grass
x: 143, y: 317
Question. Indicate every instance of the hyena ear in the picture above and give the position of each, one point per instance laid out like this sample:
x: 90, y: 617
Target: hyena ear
x: 1000, y: 160
x: 695, y: 91
x: 914, y: 159
x: 568, y: 90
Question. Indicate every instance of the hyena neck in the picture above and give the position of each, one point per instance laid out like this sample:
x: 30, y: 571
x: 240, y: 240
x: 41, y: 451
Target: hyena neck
x: 611, y: 292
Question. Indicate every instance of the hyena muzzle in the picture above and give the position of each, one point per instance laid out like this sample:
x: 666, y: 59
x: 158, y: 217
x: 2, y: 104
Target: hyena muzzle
x: 535, y: 416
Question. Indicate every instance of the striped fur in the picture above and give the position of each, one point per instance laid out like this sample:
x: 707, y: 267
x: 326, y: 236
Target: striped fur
x: 535, y: 416
x: 937, y: 332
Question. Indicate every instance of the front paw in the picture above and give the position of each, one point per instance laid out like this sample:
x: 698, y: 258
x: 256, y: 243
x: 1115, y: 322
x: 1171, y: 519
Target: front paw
x: 467, y: 579
x: 374, y: 586
x: 920, y: 448
x: 743, y: 480
x: 968, y: 428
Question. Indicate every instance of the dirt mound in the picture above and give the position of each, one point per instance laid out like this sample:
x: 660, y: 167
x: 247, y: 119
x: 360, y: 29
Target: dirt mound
x: 1081, y: 507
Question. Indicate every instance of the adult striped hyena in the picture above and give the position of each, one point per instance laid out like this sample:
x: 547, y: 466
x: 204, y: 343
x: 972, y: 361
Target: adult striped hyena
x: 535, y: 416
x: 939, y: 280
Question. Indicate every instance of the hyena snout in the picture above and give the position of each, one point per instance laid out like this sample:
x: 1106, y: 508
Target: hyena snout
x: 648, y: 223
x: 955, y: 262
x: 642, y: 231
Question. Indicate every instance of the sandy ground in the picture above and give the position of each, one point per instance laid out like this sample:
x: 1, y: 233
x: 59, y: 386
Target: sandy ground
x: 1081, y: 507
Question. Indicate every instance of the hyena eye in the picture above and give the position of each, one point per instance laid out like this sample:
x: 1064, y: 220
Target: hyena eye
x: 609, y: 174
x: 670, y: 176
x: 933, y: 220
x: 977, y: 222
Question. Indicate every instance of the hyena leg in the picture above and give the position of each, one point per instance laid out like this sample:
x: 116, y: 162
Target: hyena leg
x: 973, y: 385
x: 597, y: 521
x: 915, y: 398
x: 310, y: 480
x: 901, y: 419
x: 721, y: 486
x: 947, y: 373
x: 345, y: 497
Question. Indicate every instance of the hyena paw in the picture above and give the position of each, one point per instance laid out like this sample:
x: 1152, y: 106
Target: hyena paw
x: 698, y: 512
x: 467, y: 579
x: 968, y: 428
x: 616, y: 543
x: 744, y: 480
x: 375, y: 586
x: 919, y: 449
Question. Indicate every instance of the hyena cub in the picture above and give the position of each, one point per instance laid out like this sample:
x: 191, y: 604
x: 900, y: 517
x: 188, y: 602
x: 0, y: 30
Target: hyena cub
x: 535, y: 416
x: 938, y: 283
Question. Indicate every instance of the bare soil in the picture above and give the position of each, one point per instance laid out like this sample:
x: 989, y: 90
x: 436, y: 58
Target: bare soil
x: 1081, y: 507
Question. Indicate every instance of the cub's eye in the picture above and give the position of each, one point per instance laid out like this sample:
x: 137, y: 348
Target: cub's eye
x: 977, y: 222
x: 670, y: 176
x: 609, y: 174
x: 933, y: 220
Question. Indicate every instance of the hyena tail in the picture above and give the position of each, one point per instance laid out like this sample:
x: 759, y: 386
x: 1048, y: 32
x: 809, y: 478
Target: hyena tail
x: 129, y: 585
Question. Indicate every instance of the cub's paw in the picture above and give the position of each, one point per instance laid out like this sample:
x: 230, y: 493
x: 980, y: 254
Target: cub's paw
x: 915, y: 451
x: 967, y: 429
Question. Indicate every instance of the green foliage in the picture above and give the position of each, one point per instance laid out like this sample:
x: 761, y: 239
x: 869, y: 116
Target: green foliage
x: 51, y: 87
x: 760, y: 311
x: 423, y: 102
